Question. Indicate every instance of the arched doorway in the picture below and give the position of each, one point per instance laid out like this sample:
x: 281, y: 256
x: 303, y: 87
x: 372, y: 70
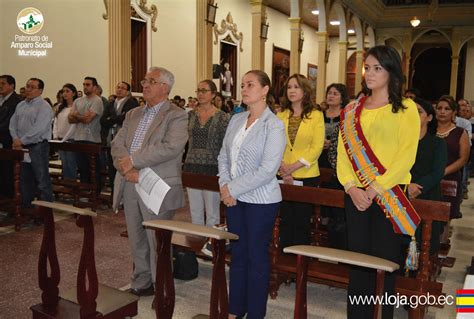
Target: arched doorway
x: 432, y: 72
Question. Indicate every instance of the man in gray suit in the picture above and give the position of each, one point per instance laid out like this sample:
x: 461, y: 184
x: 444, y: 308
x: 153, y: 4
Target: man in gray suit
x: 152, y: 136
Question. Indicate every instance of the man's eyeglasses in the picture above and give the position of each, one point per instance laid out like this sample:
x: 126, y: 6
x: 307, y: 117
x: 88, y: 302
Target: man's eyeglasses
x: 31, y: 87
x: 150, y: 81
x: 202, y: 91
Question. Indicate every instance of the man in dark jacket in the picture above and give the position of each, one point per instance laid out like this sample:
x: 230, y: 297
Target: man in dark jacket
x: 8, y: 101
x: 112, y: 119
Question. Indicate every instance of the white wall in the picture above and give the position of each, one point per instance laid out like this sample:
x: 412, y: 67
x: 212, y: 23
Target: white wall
x: 332, y: 69
x: 174, y: 43
x: 310, y: 49
x: 80, y: 42
x: 279, y: 35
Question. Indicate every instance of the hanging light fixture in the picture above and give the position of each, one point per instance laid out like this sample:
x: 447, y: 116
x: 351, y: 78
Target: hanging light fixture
x: 415, y: 22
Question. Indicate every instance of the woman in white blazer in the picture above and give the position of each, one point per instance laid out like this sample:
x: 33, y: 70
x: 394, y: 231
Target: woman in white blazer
x: 251, y: 154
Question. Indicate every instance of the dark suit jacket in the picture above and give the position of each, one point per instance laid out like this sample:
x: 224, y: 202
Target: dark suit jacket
x: 112, y: 116
x: 6, y: 112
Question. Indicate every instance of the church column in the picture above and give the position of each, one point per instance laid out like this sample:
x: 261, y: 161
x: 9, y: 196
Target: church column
x: 204, y: 42
x: 358, y: 68
x: 258, y: 44
x: 406, y: 58
x: 455, y: 48
x: 342, y: 62
x: 295, y: 53
x: 454, y: 75
x: 322, y: 38
x: 120, y: 54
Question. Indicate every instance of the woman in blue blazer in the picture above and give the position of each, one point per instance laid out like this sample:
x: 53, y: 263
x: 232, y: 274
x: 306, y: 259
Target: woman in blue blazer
x: 249, y: 159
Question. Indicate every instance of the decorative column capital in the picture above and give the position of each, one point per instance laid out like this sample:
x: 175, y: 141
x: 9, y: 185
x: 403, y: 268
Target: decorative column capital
x: 257, y: 2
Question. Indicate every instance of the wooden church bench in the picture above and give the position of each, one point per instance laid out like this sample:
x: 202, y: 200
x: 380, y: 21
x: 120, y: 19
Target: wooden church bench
x: 304, y: 252
x: 89, y: 299
x: 338, y: 274
x: 164, y: 285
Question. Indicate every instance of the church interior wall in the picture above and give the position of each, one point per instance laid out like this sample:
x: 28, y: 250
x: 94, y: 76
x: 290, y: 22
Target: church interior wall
x: 279, y: 35
x: 174, y: 43
x: 79, y: 36
x: 241, y: 12
x: 310, y: 49
x: 332, y: 67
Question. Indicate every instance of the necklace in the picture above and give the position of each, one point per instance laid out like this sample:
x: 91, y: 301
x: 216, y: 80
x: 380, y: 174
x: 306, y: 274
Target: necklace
x: 445, y: 134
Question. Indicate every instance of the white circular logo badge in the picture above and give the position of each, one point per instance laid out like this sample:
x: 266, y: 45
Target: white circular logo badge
x: 30, y: 20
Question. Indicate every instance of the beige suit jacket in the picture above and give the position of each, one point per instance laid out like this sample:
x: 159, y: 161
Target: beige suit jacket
x: 162, y: 150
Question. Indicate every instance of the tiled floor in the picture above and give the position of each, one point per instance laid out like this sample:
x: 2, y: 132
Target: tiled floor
x: 18, y: 275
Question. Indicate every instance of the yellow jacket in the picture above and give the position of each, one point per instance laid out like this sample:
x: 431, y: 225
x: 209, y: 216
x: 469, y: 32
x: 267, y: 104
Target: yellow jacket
x: 308, y: 145
x: 394, y: 139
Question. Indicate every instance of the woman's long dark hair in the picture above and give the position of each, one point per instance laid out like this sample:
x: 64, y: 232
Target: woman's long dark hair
x: 63, y: 104
x: 307, y: 103
x: 433, y: 124
x: 390, y: 60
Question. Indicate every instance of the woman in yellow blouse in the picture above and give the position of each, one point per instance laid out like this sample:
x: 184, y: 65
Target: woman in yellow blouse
x: 304, y: 126
x: 391, y: 127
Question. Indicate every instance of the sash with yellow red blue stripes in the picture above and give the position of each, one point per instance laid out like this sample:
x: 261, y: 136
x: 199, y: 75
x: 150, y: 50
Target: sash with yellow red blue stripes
x: 393, y: 202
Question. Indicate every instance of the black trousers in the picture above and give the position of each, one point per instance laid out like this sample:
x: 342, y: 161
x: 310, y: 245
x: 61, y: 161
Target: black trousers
x: 295, y: 219
x: 370, y: 232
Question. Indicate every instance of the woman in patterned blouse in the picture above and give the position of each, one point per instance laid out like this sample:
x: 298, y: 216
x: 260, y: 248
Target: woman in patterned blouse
x: 207, y: 126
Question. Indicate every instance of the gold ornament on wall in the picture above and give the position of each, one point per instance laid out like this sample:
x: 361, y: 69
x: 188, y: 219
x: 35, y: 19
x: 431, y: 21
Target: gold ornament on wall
x: 152, y: 11
x: 228, y: 25
x: 106, y: 14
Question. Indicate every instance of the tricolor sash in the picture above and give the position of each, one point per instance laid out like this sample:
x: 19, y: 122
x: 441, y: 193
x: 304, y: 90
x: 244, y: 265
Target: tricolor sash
x: 393, y: 202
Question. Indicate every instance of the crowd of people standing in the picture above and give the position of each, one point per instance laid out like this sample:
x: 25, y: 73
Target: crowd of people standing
x: 404, y: 147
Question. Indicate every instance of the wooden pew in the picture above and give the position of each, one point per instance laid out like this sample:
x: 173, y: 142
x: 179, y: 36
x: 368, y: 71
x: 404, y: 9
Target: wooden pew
x: 90, y: 299
x: 16, y: 157
x: 304, y: 252
x: 335, y: 274
x: 164, y: 286
x: 197, y: 181
x: 76, y: 188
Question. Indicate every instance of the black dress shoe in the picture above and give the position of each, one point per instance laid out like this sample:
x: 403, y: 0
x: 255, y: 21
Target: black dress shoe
x: 150, y: 291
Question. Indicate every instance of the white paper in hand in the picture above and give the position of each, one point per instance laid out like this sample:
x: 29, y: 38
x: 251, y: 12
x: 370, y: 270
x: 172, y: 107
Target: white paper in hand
x: 151, y: 189
x: 26, y: 155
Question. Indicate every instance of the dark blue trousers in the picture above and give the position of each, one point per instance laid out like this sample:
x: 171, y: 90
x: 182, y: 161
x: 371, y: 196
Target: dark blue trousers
x: 250, y: 267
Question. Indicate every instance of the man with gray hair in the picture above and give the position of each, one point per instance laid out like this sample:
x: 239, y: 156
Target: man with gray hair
x: 152, y: 136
